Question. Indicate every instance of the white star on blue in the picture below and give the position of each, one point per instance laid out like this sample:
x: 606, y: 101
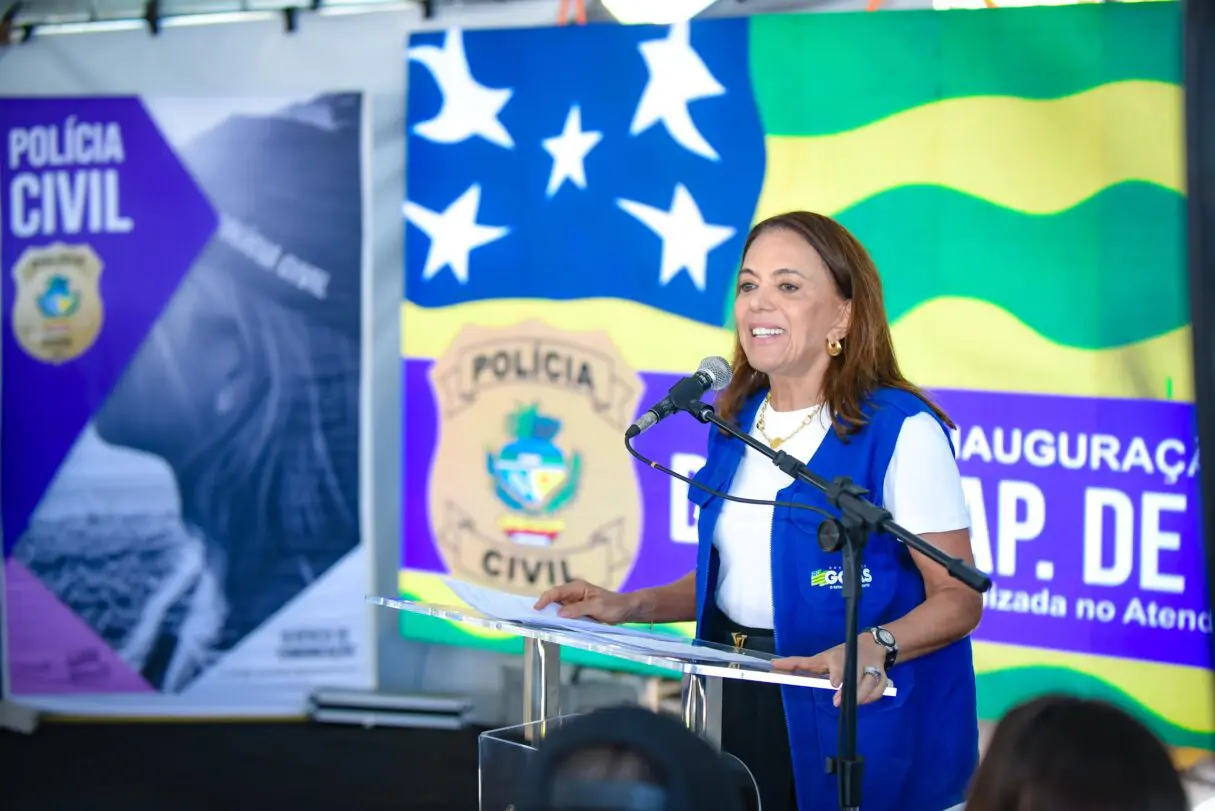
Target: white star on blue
x: 595, y: 161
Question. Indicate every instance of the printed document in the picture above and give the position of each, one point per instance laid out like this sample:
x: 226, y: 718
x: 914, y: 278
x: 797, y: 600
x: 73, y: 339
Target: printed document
x: 519, y: 608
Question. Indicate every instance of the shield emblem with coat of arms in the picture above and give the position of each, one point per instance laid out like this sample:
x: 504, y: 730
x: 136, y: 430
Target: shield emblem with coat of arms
x: 57, y: 309
x: 533, y: 475
x: 530, y: 485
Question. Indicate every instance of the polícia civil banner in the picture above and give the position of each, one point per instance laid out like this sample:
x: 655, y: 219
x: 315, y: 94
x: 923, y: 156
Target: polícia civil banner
x: 181, y: 371
x: 575, y: 217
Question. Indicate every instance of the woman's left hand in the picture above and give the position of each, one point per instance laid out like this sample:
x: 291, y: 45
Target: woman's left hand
x: 870, y: 659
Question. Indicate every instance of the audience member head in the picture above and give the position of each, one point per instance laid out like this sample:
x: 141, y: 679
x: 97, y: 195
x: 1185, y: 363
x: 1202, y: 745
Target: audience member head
x: 631, y: 759
x: 1060, y: 753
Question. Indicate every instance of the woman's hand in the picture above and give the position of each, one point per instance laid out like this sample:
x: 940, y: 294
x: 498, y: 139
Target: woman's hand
x: 579, y: 598
x: 871, y: 657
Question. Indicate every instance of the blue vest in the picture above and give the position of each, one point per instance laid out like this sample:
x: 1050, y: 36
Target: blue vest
x: 920, y: 746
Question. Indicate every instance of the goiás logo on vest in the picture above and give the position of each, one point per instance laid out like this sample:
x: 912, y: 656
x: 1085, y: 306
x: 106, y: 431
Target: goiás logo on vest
x: 832, y: 577
x: 531, y: 485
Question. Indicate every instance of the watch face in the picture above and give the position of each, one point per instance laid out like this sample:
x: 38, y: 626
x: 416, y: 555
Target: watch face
x: 884, y: 637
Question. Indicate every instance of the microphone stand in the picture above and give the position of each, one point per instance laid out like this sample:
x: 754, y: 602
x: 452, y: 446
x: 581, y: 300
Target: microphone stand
x: 859, y: 519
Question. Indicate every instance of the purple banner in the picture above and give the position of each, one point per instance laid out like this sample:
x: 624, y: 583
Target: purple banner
x: 101, y: 224
x: 1084, y: 512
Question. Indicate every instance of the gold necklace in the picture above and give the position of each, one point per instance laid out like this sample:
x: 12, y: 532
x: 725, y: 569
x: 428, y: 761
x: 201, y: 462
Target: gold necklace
x: 761, y: 424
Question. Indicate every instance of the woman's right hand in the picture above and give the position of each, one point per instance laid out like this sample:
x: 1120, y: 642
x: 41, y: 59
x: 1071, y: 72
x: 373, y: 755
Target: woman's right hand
x: 579, y: 598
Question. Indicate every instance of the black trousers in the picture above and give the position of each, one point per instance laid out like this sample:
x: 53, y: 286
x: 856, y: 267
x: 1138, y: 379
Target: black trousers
x: 753, y: 726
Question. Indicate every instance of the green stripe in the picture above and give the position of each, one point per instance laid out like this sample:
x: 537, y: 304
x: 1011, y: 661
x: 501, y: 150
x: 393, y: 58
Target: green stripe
x: 815, y: 74
x: 1105, y: 273
x: 1001, y: 690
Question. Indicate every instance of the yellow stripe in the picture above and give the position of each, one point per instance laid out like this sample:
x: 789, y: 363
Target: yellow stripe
x: 1179, y: 695
x: 958, y: 343
x: 1035, y: 156
x: 1184, y: 757
x: 945, y: 343
x: 427, y: 587
x: 426, y: 333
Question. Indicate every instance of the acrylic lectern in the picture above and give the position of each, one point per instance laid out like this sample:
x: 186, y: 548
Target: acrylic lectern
x: 505, y: 752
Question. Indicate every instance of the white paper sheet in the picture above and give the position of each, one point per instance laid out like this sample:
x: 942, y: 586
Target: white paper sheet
x: 515, y: 607
x: 518, y: 608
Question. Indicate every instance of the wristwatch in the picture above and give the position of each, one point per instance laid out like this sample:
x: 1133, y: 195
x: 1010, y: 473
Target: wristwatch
x: 887, y: 641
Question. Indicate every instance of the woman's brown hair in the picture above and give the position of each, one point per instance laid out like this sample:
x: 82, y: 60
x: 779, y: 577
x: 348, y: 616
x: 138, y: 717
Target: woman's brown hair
x: 1078, y: 754
x: 867, y: 362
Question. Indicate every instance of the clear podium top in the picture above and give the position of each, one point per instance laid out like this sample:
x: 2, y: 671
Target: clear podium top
x: 691, y: 656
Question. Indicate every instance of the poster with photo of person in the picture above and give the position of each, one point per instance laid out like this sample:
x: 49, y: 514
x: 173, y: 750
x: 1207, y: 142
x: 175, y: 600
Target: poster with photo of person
x: 182, y: 331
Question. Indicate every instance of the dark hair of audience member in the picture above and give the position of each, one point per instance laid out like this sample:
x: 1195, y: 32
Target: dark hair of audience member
x: 629, y: 758
x: 1060, y: 753
x: 608, y: 762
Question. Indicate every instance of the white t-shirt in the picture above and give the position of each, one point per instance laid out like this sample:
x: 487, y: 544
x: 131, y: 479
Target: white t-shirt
x: 922, y: 491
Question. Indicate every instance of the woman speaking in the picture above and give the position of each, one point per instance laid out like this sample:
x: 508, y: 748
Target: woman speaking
x: 815, y: 375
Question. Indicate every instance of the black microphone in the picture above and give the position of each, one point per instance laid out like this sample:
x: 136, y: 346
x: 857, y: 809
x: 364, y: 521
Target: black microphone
x: 714, y: 374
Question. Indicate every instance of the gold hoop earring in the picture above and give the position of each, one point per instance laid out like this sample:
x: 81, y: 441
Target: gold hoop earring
x: 834, y: 348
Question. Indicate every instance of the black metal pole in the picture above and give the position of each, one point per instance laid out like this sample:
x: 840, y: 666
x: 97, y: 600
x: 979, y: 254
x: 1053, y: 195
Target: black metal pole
x: 1198, y: 30
x: 848, y: 765
x: 860, y: 518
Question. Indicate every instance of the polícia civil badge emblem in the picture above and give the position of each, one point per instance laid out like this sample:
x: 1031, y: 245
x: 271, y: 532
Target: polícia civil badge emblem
x: 531, y: 485
x: 57, y: 309
x: 533, y: 476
